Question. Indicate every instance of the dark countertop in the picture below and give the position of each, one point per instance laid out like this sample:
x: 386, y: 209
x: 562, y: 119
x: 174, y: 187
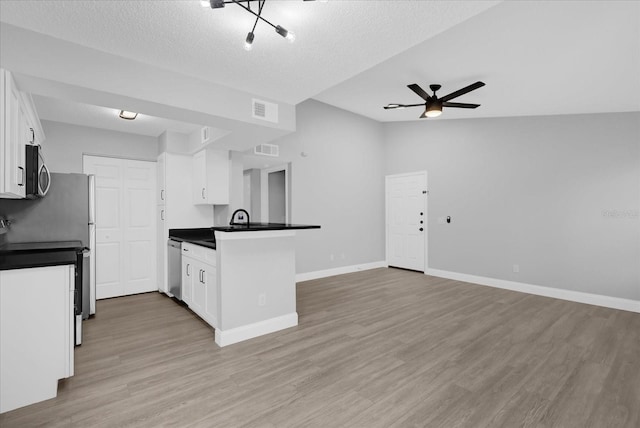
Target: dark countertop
x: 39, y: 254
x: 257, y: 227
x: 200, y: 236
x: 206, y: 236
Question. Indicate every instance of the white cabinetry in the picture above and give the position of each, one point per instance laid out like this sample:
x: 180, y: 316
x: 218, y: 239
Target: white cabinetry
x: 175, y: 209
x: 211, y: 177
x: 19, y: 126
x: 200, y: 283
x: 187, y: 278
x: 36, y: 336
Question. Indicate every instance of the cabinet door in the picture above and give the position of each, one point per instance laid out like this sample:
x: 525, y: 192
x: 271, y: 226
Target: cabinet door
x: 211, y: 296
x: 162, y: 259
x: 161, y: 196
x: 200, y: 178
x: 217, y: 177
x: 188, y: 274
x: 199, y: 292
x: 15, y: 142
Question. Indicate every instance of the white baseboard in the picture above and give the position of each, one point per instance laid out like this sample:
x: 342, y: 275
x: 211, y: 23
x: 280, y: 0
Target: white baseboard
x: 539, y: 290
x: 238, y: 334
x: 308, y: 276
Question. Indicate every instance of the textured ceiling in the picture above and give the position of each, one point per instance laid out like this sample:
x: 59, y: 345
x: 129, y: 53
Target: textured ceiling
x: 335, y: 40
x: 536, y: 58
x: 65, y: 111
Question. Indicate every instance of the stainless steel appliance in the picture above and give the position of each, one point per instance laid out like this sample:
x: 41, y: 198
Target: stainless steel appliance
x: 66, y: 213
x: 37, y: 173
x: 174, y: 267
x: 90, y: 280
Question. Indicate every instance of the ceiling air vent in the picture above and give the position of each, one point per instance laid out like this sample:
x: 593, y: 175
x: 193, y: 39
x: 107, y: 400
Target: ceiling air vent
x: 267, y: 150
x: 264, y: 111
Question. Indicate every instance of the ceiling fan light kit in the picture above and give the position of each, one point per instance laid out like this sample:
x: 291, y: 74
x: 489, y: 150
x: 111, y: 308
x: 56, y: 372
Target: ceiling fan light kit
x: 248, y: 43
x: 433, y: 105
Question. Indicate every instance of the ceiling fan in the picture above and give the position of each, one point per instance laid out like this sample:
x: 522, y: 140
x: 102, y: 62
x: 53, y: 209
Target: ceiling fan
x: 433, y: 104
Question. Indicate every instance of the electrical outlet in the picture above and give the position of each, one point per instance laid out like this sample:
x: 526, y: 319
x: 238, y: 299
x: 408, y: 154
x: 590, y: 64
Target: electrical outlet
x: 331, y: 257
x: 342, y: 256
x: 516, y: 268
x: 262, y: 299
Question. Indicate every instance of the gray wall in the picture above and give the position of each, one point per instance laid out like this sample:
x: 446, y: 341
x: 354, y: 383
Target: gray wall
x: 63, y: 215
x: 65, y: 144
x: 256, y: 200
x: 277, y: 197
x: 339, y: 185
x: 557, y: 195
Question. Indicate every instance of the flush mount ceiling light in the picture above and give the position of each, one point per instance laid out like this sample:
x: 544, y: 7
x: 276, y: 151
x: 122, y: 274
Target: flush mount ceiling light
x: 248, y: 43
x: 127, y: 115
x: 433, y: 104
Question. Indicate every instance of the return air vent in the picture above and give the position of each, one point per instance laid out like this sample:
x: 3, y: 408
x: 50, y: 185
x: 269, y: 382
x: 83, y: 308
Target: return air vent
x: 267, y: 150
x: 264, y: 111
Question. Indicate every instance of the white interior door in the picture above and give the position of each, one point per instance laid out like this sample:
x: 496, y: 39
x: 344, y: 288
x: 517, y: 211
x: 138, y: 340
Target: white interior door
x: 406, y: 220
x: 125, y: 252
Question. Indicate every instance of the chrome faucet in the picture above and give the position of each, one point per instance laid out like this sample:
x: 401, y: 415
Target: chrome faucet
x: 233, y: 216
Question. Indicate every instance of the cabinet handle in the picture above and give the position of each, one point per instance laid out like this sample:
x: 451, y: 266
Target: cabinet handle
x: 162, y: 195
x: 21, y: 176
x: 33, y: 135
x: 188, y: 271
x: 185, y: 249
x: 203, y: 193
x: 161, y: 214
x: 201, y: 276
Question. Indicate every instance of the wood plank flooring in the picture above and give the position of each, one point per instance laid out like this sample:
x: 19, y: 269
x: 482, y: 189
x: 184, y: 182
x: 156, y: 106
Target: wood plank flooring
x: 380, y: 348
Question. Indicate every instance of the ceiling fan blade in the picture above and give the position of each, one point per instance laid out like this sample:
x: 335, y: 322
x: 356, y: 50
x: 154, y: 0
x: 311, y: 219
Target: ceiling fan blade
x: 424, y: 114
x: 462, y: 91
x: 418, y: 90
x: 460, y: 105
x: 395, y: 106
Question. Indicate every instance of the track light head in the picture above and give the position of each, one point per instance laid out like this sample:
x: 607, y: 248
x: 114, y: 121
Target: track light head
x: 284, y: 33
x: 248, y: 43
x: 216, y: 4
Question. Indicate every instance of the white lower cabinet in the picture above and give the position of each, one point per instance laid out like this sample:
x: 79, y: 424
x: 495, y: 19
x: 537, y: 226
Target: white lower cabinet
x: 199, y: 282
x: 36, y: 336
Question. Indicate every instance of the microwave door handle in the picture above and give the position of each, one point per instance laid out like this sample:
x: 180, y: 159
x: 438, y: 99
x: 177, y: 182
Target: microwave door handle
x: 43, y: 168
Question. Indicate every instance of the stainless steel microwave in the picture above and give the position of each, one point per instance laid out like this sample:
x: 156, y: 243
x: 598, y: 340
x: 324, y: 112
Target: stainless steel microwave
x: 38, y: 176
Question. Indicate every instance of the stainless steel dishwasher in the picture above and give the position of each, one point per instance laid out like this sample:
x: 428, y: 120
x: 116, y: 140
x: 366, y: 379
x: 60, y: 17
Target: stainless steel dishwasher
x: 174, y: 267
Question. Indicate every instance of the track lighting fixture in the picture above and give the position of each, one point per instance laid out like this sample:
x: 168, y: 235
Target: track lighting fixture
x: 248, y: 43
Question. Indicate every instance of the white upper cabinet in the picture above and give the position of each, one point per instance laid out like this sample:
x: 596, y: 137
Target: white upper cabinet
x: 19, y: 126
x: 211, y: 177
x: 161, y: 195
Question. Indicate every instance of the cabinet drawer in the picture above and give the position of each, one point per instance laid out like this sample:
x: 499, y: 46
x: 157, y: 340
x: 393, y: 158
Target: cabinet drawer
x: 200, y: 253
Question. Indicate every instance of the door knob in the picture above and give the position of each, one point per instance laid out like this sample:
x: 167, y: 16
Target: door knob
x: 421, y: 229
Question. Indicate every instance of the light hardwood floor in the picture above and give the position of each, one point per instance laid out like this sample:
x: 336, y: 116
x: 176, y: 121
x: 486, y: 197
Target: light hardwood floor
x: 380, y: 348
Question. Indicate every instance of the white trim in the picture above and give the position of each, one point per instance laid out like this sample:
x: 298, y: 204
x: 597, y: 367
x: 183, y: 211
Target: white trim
x: 308, y: 276
x: 245, y: 332
x: 539, y: 290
